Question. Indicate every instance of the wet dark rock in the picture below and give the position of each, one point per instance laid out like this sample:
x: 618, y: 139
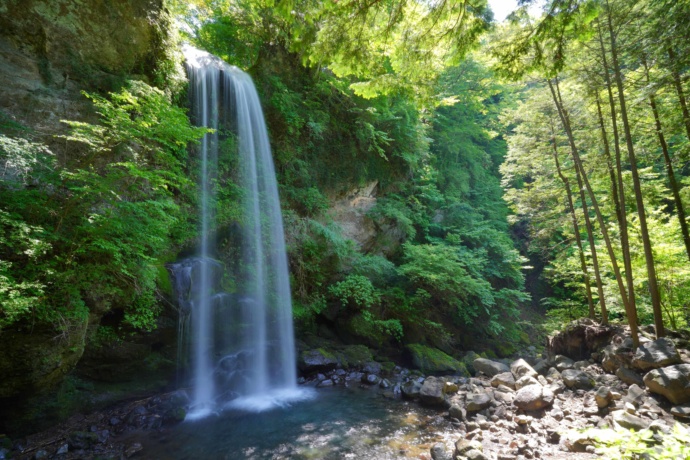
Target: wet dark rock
x: 325, y: 383
x: 133, y: 449
x: 371, y: 379
x: 372, y: 367
x: 431, y: 392
x: 82, y: 440
x: 63, y: 449
x: 673, y: 382
x: 653, y: 355
x: 40, y: 454
x: 317, y: 360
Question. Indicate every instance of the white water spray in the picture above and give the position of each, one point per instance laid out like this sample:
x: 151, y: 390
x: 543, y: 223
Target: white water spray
x: 241, y: 346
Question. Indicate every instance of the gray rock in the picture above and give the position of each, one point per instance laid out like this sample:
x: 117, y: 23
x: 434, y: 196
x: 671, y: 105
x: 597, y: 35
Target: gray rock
x: 673, y: 382
x: 521, y: 368
x: 563, y: 362
x: 489, y: 367
x: 681, y: 411
x: 63, y: 449
x: 603, y: 397
x: 629, y: 376
x: 457, y: 411
x: 541, y: 366
x: 504, y: 378
x: 654, y: 355
x: 439, y: 452
x: 635, y: 395
x: 533, y: 397
x: 552, y: 374
x: 629, y: 421
x: 371, y: 379
x: 411, y: 389
x: 526, y: 380
x: 575, y: 379
x: 325, y: 383
x: 477, y: 402
x: 474, y: 454
x: 462, y: 446
x: 431, y: 392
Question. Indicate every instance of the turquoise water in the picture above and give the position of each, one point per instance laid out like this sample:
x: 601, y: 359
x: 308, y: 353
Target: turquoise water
x: 337, y: 423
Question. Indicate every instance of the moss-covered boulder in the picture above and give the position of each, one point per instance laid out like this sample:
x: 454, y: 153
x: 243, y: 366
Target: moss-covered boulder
x: 434, y: 361
x: 355, y: 356
x: 317, y: 360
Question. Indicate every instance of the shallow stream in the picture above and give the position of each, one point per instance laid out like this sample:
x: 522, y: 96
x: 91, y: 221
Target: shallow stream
x: 337, y: 423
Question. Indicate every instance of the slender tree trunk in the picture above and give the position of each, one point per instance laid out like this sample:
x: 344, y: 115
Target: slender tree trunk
x: 623, y: 214
x: 632, y: 315
x: 675, y: 189
x: 644, y: 231
x: 592, y: 248
x: 679, y: 89
x: 576, y: 228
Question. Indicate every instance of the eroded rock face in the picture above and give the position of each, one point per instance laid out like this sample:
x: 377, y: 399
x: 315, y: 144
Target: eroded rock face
x: 673, y: 382
x: 580, y: 339
x: 653, y: 355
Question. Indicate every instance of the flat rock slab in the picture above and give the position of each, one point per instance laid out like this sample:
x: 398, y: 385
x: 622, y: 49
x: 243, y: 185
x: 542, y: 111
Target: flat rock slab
x: 504, y: 378
x: 630, y: 421
x: 657, y: 354
x: 681, y: 411
x: 478, y: 402
x: 673, y: 382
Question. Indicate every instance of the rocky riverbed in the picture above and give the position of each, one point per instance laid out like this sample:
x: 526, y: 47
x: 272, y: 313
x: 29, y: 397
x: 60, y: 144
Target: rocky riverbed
x: 529, y: 407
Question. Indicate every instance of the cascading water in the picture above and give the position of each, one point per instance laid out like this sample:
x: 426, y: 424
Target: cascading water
x: 241, y: 345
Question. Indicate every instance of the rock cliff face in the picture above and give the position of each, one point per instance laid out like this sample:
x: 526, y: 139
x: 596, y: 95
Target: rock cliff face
x: 50, y: 51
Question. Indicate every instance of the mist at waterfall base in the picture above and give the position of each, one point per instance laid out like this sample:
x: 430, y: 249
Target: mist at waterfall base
x: 240, y: 346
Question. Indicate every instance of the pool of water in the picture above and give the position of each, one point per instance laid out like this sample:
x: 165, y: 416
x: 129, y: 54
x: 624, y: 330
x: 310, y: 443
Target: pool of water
x: 336, y: 423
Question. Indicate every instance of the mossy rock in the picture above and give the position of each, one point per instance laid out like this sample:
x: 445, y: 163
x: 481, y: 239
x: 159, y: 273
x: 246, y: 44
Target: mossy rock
x: 434, y: 361
x: 317, y: 360
x: 505, y: 349
x: 355, y: 356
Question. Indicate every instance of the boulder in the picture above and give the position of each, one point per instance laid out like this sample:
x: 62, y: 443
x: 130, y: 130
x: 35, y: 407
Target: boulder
x: 504, y: 378
x: 521, y: 368
x: 526, y: 380
x: 477, y: 402
x: 463, y: 446
x: 489, y: 368
x: 541, y: 366
x: 434, y: 361
x: 653, y: 355
x: 673, y: 382
x: 457, y: 411
x: 563, y: 362
x: 629, y: 376
x: 577, y: 380
x: 439, y: 452
x: 411, y: 389
x: 533, y: 397
x: 317, y: 360
x: 431, y: 392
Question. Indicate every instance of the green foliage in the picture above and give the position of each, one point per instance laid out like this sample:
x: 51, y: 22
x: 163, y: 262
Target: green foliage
x: 87, y: 235
x: 630, y: 444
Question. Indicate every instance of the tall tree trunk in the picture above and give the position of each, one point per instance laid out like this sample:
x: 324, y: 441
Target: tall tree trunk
x: 565, y: 120
x: 576, y: 227
x: 679, y: 90
x: 675, y: 189
x: 623, y: 214
x: 592, y: 247
x: 644, y: 231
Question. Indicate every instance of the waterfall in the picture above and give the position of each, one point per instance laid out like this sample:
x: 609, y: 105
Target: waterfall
x: 241, y: 345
